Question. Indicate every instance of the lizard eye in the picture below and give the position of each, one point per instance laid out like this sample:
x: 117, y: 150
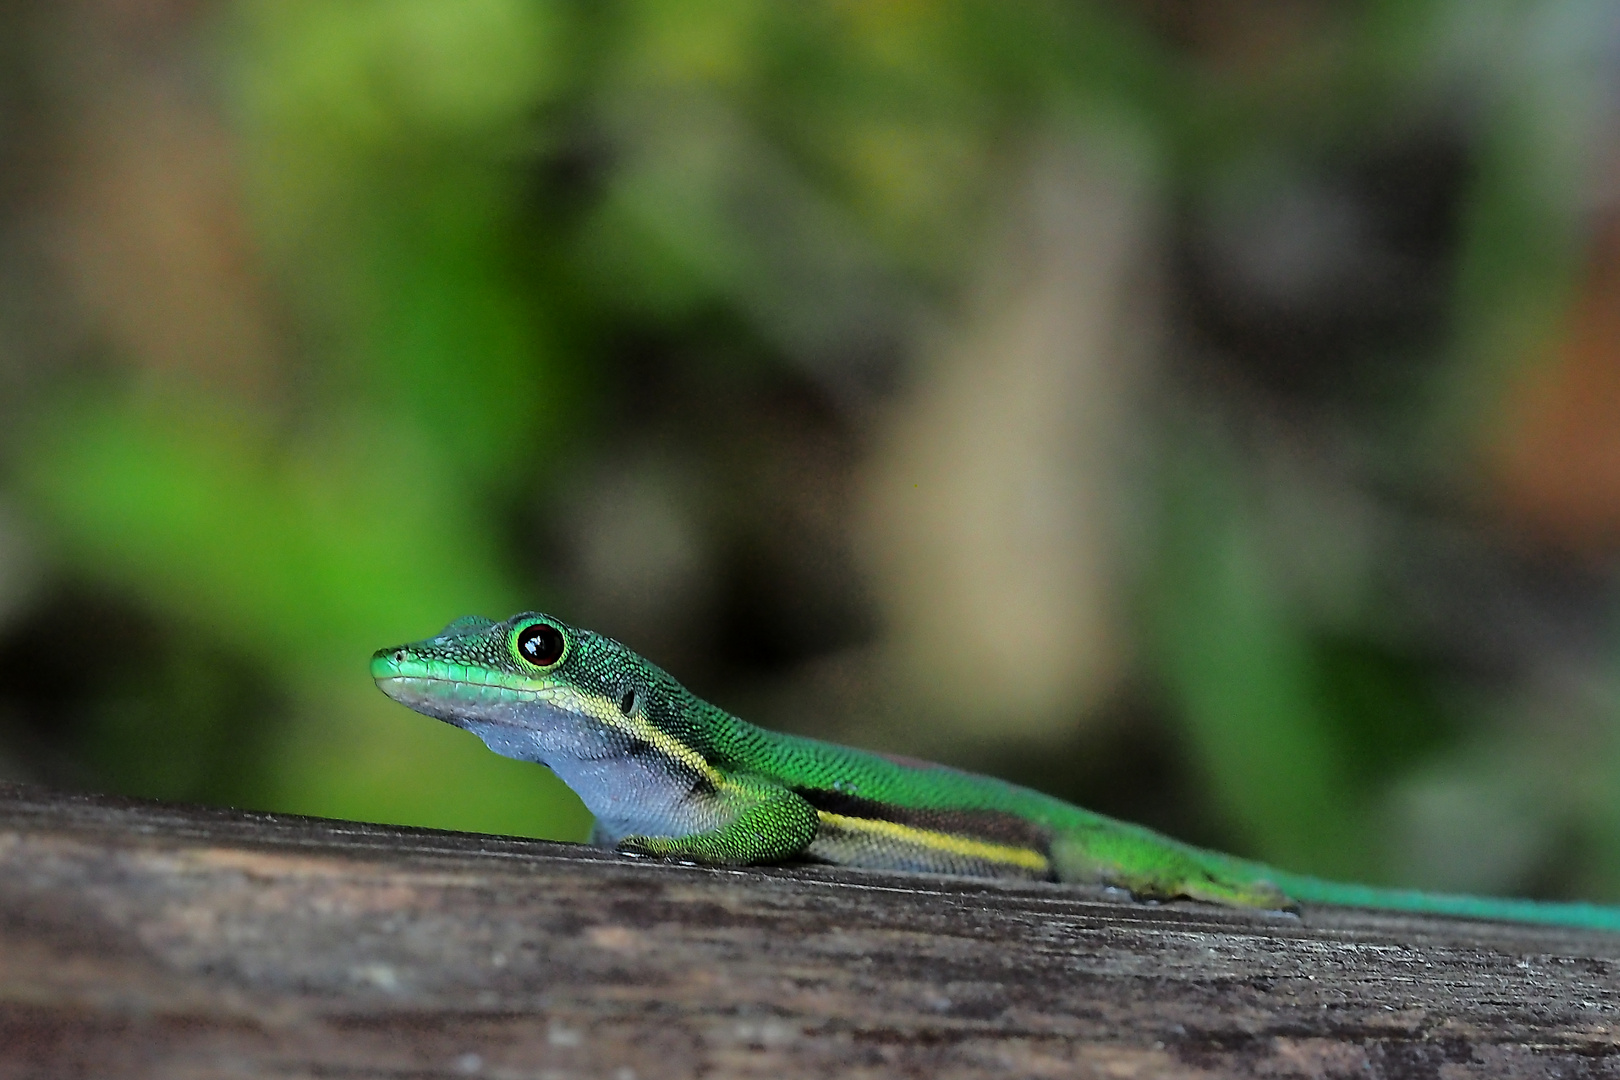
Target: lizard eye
x: 541, y: 644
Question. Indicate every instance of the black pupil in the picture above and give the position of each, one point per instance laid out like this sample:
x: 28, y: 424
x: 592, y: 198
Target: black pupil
x: 541, y: 644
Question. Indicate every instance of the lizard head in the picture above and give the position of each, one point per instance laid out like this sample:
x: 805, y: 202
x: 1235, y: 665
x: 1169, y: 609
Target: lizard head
x: 531, y: 687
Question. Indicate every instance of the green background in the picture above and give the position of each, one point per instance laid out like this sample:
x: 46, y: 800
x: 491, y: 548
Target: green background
x: 326, y: 323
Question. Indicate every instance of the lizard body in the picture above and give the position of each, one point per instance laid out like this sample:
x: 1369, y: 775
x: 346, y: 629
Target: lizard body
x: 671, y: 775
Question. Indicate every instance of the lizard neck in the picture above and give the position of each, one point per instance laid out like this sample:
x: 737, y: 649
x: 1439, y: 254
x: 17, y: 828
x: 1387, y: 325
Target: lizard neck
x: 634, y: 782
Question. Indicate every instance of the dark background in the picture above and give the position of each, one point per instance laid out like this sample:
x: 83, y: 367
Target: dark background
x: 1205, y: 411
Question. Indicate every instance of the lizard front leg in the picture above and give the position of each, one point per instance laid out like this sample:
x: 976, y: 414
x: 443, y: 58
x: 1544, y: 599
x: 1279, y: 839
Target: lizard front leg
x: 770, y: 824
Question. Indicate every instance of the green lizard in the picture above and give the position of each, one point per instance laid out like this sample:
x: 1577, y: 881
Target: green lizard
x: 671, y: 775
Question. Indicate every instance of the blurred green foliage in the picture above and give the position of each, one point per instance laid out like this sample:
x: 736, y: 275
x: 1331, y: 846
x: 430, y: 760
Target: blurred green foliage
x: 470, y: 224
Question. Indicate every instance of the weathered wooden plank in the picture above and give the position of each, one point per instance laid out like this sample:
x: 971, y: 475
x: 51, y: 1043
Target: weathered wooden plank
x: 141, y: 939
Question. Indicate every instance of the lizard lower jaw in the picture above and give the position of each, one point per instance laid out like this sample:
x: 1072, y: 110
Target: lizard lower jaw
x: 455, y: 702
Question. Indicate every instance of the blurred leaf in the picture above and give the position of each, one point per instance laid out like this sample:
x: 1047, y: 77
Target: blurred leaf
x: 380, y: 141
x: 350, y: 78
x: 306, y: 555
x: 1243, y: 675
x: 446, y: 336
x: 735, y: 223
x: 1381, y: 707
x: 313, y: 545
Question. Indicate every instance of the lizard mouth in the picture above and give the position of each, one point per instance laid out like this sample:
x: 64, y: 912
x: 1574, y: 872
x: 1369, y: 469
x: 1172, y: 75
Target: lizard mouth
x: 398, y: 667
x: 459, y: 701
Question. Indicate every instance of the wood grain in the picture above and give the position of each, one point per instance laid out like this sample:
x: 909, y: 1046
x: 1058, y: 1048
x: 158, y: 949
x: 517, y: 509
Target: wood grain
x: 140, y: 939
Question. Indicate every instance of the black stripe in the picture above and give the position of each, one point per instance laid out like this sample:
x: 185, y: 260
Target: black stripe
x: 995, y: 826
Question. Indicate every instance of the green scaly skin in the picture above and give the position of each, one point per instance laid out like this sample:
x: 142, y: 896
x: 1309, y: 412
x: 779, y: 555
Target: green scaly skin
x: 671, y: 775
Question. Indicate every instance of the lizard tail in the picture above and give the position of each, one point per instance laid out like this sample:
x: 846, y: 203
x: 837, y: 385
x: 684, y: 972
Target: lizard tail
x: 1317, y: 891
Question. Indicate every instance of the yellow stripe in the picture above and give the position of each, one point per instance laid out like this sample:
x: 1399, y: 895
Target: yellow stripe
x: 667, y: 744
x: 1028, y: 858
x: 639, y: 727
